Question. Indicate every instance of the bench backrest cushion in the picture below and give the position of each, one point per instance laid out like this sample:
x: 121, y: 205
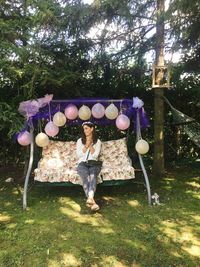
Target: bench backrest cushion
x: 59, y: 162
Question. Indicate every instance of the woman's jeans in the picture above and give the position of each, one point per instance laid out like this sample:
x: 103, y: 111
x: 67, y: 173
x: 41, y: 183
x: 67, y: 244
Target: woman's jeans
x: 89, y: 175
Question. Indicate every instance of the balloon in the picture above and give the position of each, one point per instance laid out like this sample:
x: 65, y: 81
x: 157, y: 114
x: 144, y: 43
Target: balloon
x: 51, y: 129
x: 142, y: 147
x: 111, y: 112
x: 42, y: 140
x: 98, y: 111
x: 59, y: 119
x: 122, y: 122
x: 84, y: 113
x: 71, y: 112
x: 24, y: 138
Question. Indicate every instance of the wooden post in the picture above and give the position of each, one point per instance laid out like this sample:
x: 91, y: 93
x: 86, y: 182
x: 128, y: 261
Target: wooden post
x: 158, y: 159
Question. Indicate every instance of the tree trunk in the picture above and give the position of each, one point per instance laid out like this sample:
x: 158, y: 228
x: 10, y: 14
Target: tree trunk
x: 158, y: 161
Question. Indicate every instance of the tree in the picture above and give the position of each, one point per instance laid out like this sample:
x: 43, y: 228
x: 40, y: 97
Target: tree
x: 158, y: 163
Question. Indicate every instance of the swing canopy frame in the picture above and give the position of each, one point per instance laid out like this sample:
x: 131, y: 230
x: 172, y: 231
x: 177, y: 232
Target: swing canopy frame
x: 43, y: 109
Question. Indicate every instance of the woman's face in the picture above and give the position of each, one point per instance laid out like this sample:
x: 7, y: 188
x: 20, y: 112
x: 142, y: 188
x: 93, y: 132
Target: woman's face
x: 88, y: 130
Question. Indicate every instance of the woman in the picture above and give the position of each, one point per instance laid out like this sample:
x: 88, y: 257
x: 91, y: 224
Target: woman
x: 88, y: 148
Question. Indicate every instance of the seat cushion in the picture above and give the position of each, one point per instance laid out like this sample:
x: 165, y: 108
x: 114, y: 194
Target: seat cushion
x: 59, y: 162
x: 116, y: 162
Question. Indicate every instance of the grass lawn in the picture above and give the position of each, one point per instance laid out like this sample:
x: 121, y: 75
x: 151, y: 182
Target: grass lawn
x: 59, y: 230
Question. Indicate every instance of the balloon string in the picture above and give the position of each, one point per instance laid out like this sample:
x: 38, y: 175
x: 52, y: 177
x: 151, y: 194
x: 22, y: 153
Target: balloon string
x: 120, y: 107
x: 40, y: 126
x: 49, y: 112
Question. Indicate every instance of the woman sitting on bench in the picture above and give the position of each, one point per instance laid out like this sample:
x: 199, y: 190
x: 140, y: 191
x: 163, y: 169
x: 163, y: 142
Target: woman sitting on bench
x: 88, y: 149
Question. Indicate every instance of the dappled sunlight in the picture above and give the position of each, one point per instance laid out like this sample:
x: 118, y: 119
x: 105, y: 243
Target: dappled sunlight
x: 167, y: 187
x: 193, y: 184
x: 133, y: 203
x: 16, y: 191
x: 65, y: 236
x: 73, y: 205
x: 168, y: 183
x: 5, y: 218
x: 69, y: 260
x: 30, y: 221
x: 136, y: 244
x: 192, y: 250
x: 183, y: 235
x: 53, y: 263
x: 104, y: 227
x: 143, y: 227
x: 196, y: 218
x: 7, y: 204
x: 58, y: 229
x: 112, y: 261
x: 168, y: 228
x: 72, y: 210
x: 168, y: 179
x: 176, y: 254
x: 193, y: 194
x: 66, y: 259
x: 196, y: 179
x: 108, y: 198
x: 11, y: 225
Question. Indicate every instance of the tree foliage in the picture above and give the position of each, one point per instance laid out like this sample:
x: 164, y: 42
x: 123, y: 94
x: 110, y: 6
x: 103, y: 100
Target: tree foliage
x: 73, y: 49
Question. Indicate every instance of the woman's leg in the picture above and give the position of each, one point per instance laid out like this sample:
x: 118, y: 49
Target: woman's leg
x: 83, y: 171
x: 93, y: 173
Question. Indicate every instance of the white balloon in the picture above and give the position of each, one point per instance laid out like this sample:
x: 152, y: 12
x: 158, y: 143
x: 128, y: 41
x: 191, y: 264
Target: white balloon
x: 98, y: 111
x: 42, y: 140
x: 142, y: 147
x: 59, y: 119
x: 111, y: 112
x: 84, y: 113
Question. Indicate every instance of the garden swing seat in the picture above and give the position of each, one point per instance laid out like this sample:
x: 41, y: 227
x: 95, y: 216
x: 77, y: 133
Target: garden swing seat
x: 57, y: 165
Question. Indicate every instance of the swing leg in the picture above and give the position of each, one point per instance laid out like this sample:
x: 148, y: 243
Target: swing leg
x: 28, y: 172
x: 146, y: 179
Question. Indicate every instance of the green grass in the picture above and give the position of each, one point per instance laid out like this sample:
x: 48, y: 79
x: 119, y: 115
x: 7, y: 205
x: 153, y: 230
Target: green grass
x: 59, y: 230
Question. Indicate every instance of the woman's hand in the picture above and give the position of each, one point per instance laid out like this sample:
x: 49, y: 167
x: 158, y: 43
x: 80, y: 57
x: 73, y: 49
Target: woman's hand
x: 84, y: 149
x: 87, y: 145
x: 91, y: 149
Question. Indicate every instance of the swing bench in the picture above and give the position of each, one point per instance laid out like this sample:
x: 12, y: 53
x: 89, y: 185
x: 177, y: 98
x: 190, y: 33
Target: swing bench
x: 57, y: 166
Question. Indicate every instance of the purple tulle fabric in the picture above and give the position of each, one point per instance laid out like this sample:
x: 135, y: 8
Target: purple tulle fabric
x: 31, y: 107
x: 45, y: 108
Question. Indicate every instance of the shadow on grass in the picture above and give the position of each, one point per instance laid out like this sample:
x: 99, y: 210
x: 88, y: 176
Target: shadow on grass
x: 59, y: 230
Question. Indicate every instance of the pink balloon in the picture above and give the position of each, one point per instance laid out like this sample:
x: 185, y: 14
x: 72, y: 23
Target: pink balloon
x: 71, y: 112
x: 24, y: 138
x: 51, y: 129
x: 98, y: 111
x: 122, y: 122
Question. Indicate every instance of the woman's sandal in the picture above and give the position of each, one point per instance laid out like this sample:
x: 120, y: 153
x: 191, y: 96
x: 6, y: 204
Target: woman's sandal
x: 95, y: 207
x: 90, y: 202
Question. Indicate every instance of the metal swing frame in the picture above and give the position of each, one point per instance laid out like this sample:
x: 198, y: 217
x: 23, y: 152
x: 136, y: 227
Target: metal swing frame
x: 31, y: 158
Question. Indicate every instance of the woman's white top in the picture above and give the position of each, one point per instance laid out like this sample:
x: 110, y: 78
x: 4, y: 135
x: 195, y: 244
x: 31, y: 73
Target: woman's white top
x: 83, y: 156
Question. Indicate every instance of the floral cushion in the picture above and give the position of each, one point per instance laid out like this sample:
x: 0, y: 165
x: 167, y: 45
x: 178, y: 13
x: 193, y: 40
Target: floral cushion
x: 59, y: 162
x: 116, y: 162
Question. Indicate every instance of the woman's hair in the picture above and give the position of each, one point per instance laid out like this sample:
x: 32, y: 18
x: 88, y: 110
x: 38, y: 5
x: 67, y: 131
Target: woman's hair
x: 94, y: 134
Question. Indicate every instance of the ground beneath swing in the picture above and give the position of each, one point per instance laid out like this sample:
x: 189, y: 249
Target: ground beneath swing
x: 59, y: 230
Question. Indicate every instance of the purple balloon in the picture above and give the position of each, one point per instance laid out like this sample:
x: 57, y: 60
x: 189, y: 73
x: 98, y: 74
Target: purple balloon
x: 71, y: 112
x: 51, y: 129
x: 24, y: 138
x: 122, y: 122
